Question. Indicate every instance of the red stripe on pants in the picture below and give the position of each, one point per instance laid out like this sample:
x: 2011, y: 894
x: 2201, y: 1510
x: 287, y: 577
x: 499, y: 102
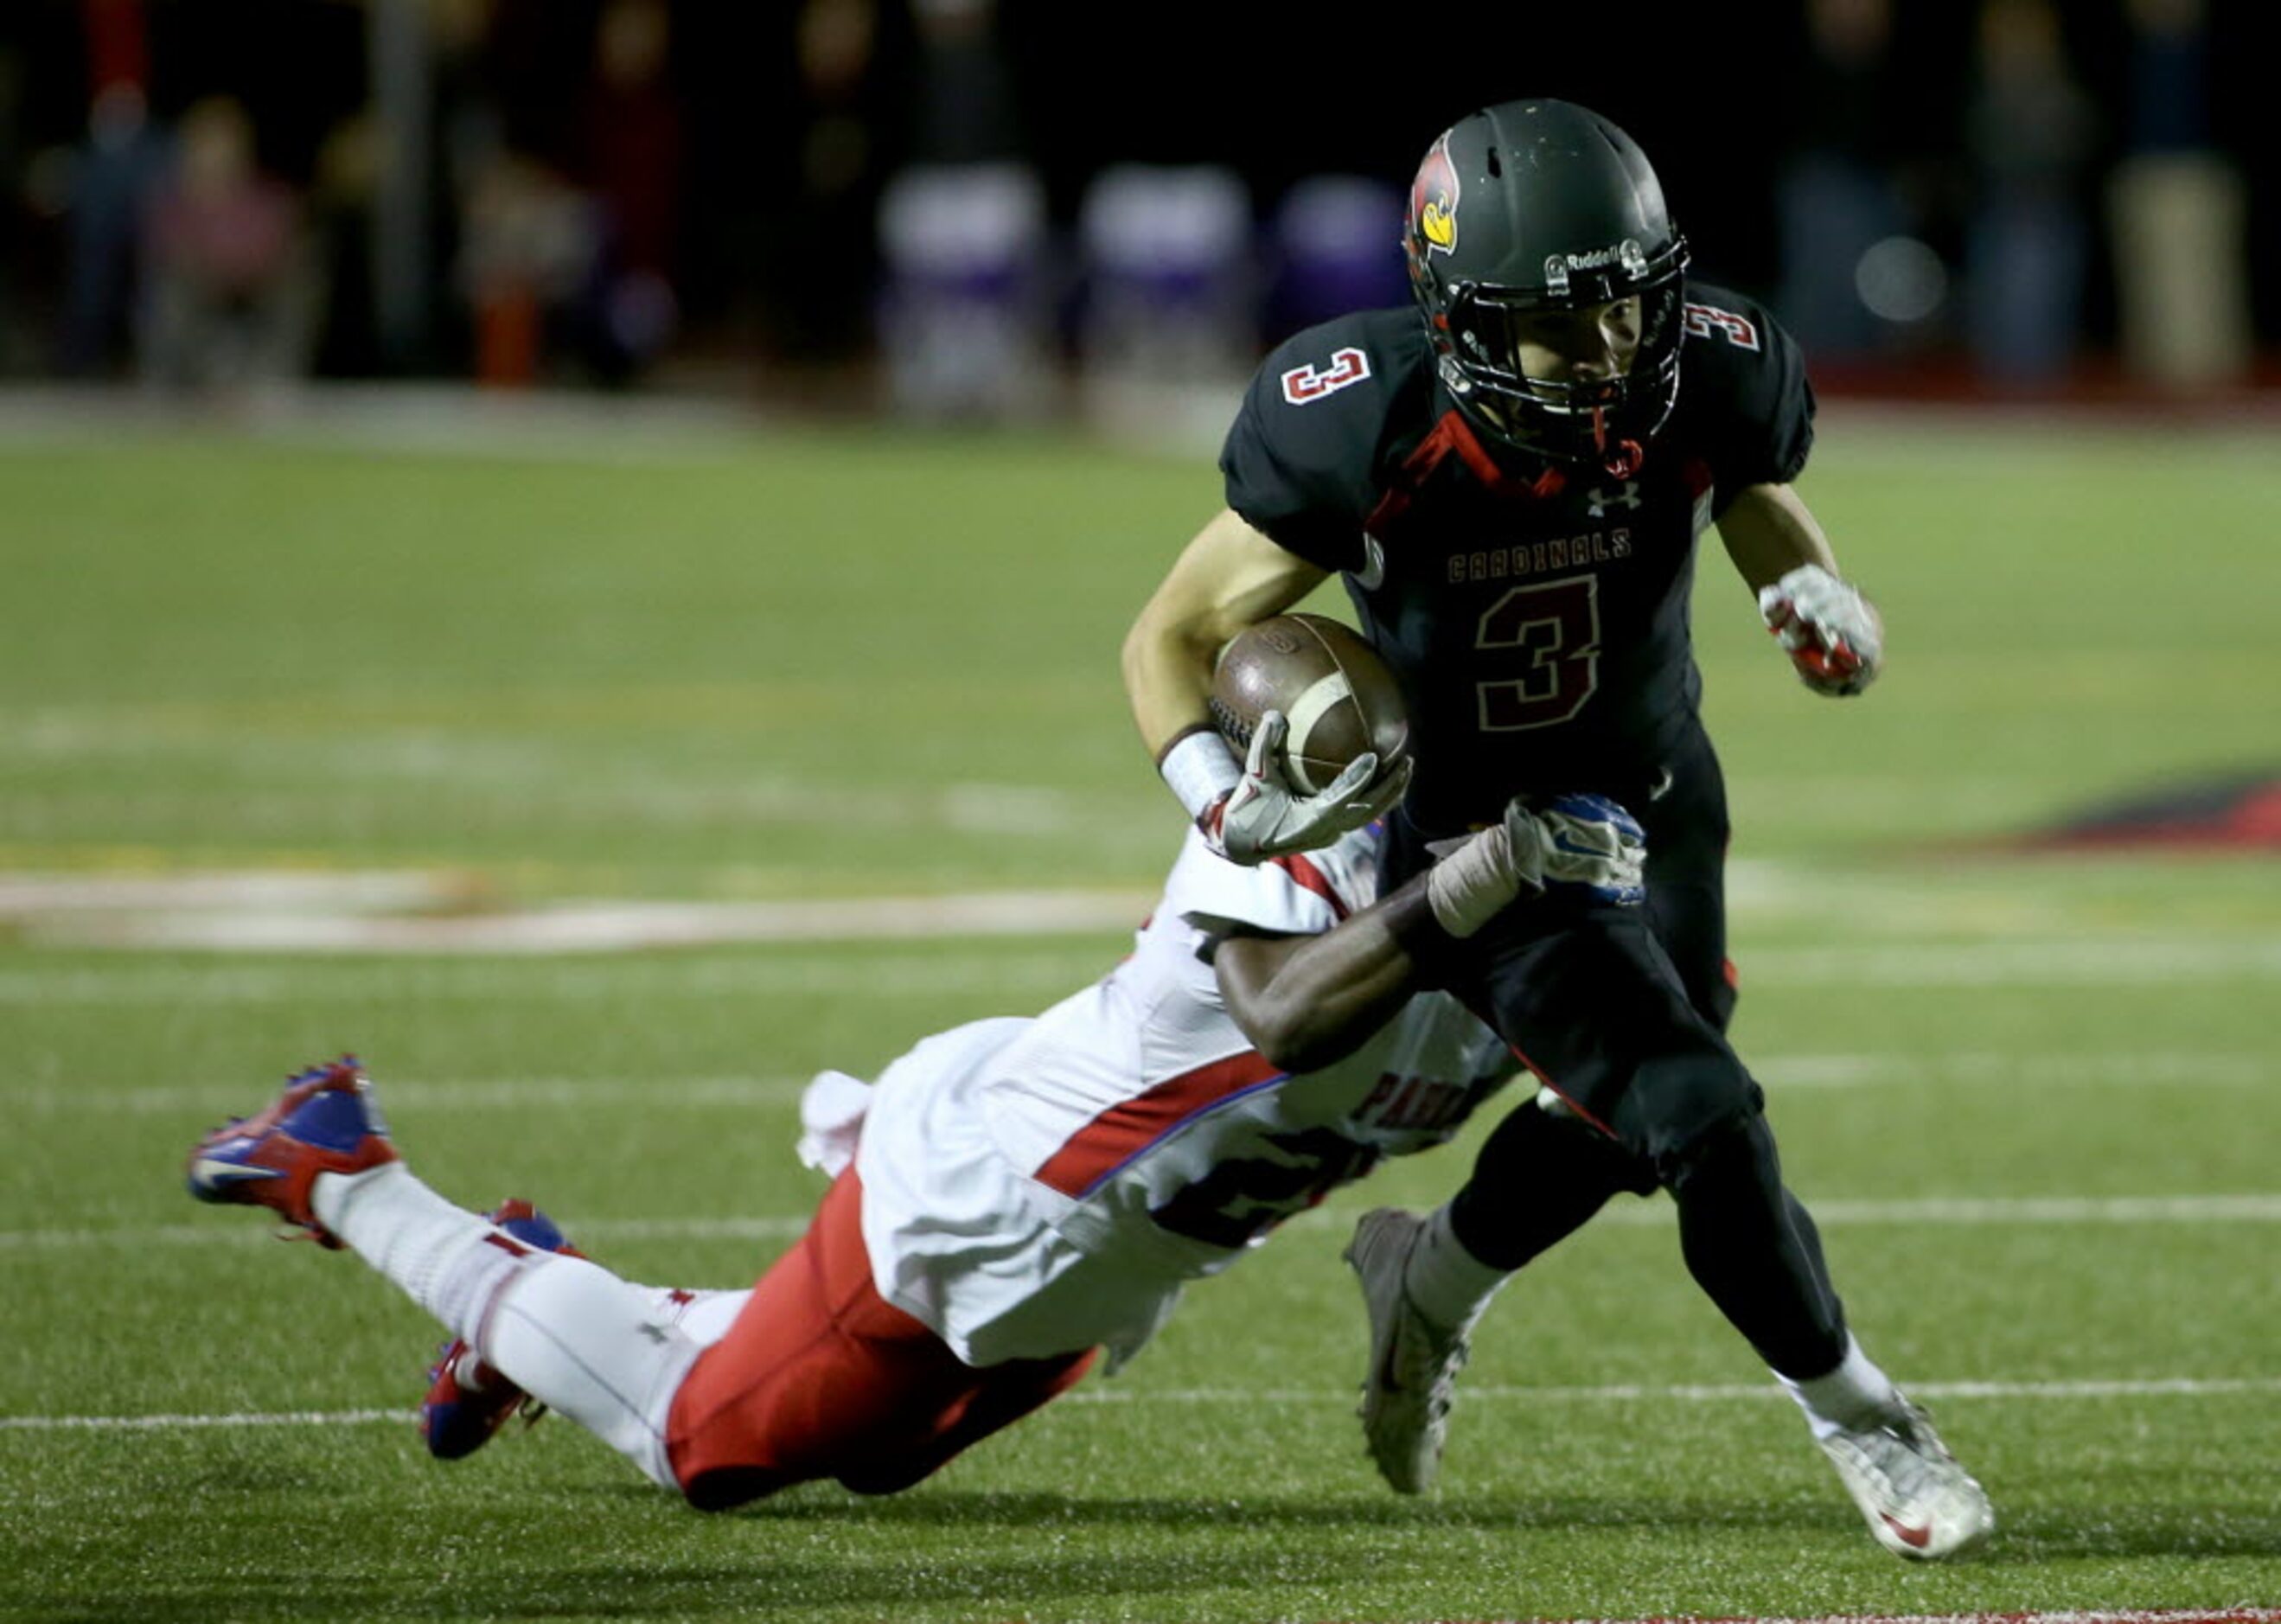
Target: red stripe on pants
x: 821, y: 1377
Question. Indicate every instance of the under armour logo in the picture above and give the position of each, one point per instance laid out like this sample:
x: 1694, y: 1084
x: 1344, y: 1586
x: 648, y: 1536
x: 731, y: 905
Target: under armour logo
x: 1602, y: 499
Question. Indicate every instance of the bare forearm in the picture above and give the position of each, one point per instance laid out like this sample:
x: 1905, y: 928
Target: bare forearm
x: 1228, y: 578
x: 1768, y: 531
x: 1307, y: 1002
x: 1167, y: 670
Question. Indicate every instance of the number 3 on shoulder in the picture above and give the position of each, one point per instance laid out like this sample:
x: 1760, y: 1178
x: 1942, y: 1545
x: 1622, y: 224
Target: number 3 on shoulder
x: 1305, y: 385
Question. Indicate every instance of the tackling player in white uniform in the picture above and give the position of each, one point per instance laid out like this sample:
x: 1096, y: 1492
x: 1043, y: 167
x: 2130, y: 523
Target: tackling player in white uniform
x: 1011, y: 1196
x: 1036, y: 1186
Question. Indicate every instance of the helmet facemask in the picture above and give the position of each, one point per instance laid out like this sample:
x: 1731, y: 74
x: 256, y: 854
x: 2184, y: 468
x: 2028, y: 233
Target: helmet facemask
x: 1604, y: 421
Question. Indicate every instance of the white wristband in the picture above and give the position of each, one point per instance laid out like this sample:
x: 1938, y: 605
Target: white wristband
x: 1201, y: 770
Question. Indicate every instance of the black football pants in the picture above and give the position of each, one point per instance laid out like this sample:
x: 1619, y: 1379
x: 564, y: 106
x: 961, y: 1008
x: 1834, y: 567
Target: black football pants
x: 1622, y: 1012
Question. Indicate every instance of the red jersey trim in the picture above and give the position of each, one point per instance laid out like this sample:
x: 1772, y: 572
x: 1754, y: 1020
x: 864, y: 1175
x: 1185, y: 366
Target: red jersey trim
x: 1311, y: 878
x: 1128, y: 1128
x: 1452, y: 434
x: 1461, y: 439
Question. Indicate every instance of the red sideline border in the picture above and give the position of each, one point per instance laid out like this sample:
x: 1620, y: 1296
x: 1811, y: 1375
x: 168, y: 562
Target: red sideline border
x: 2224, y: 1615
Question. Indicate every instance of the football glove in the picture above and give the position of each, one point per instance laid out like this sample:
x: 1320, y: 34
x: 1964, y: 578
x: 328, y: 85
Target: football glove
x: 1263, y: 816
x: 1832, y: 634
x: 1584, y: 847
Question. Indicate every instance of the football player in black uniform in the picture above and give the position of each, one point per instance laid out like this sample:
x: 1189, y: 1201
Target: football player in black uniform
x: 1512, y: 489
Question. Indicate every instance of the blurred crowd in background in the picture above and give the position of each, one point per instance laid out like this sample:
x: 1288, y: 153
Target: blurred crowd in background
x: 963, y: 208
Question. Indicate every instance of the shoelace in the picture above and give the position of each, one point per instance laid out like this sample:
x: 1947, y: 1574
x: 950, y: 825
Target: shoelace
x: 1908, y: 1455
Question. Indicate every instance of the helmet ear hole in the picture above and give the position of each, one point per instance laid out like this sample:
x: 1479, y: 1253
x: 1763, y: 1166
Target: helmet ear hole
x: 1496, y: 164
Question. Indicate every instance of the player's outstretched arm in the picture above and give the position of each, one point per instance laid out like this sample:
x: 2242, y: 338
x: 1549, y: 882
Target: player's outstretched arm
x: 1833, y: 635
x: 1306, y: 1001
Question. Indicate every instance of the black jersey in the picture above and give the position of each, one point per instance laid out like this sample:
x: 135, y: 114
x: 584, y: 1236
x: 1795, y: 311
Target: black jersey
x: 1536, y: 615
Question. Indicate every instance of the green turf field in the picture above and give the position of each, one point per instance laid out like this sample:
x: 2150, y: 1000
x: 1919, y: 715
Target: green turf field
x: 2031, y: 1098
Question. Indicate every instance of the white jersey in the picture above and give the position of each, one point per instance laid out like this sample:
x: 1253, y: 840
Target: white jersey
x: 1034, y: 1188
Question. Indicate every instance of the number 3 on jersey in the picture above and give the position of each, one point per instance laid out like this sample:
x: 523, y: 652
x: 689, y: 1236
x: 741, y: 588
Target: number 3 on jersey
x: 1556, y: 624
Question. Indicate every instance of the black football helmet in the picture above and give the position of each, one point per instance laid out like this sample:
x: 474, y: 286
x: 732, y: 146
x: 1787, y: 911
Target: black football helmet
x: 1536, y: 206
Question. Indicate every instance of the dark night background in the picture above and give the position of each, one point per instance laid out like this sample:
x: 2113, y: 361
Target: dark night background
x: 1719, y: 96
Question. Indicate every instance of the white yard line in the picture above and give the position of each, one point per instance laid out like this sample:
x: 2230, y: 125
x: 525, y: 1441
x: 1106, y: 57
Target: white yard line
x: 1993, y: 1213
x: 1988, y: 1213
x: 1790, y: 1073
x: 2117, y: 961
x: 1708, y: 1392
x: 2071, y: 962
x: 190, y: 1423
x: 881, y: 978
x: 217, y: 1099
x: 546, y: 425
x: 2172, y: 1069
x: 2025, y: 940
x: 605, y: 927
x: 2022, y: 1212
x: 2170, y: 1615
x: 422, y: 419
x: 780, y: 1228
x: 1486, y: 1393
x: 31, y: 895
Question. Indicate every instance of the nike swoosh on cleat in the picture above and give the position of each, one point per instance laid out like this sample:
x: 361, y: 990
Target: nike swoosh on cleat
x: 214, y: 1173
x: 1915, y: 1537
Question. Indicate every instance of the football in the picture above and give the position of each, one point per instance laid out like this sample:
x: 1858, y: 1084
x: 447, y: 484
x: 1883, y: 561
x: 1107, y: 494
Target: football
x: 1331, y: 687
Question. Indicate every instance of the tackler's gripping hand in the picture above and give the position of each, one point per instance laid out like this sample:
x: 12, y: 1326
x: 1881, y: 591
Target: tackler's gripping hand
x: 1263, y: 816
x: 1584, y: 846
x: 1832, y: 633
